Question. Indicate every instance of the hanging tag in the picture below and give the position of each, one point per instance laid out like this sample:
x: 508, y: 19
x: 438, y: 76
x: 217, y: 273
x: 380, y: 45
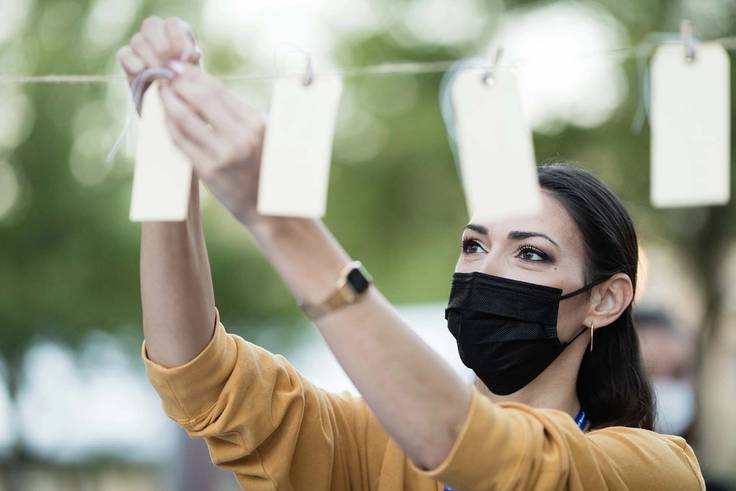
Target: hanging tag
x: 690, y: 123
x: 297, y: 147
x: 163, y: 174
x: 498, y: 169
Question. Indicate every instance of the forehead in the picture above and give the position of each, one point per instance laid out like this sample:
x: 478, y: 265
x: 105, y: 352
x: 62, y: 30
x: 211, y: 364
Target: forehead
x: 553, y: 220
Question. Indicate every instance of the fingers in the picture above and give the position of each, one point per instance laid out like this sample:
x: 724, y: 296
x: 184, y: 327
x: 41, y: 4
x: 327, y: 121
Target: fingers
x: 204, y: 94
x: 181, y: 40
x: 240, y: 109
x: 140, y: 46
x: 190, y: 125
x: 132, y: 64
x: 198, y: 157
x: 157, y: 44
x: 210, y: 97
x: 157, y: 40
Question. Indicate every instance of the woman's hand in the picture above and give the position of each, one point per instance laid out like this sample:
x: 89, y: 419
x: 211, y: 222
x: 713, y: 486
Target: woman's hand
x: 158, y: 43
x: 221, y: 135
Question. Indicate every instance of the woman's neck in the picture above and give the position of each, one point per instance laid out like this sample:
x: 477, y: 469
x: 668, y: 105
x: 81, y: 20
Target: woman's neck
x: 554, y: 388
x: 547, y: 399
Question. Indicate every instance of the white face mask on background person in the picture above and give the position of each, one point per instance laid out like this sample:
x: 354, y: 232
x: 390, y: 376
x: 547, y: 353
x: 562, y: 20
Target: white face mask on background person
x: 675, y: 404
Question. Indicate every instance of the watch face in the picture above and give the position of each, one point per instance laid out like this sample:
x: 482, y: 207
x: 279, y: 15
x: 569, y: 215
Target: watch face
x: 357, y: 280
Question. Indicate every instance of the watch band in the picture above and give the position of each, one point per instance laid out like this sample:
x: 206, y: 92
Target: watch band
x: 352, y: 282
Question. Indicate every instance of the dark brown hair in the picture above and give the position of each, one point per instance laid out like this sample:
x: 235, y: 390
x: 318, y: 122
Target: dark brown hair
x: 611, y: 385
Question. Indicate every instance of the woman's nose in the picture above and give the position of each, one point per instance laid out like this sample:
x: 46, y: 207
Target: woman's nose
x: 492, y: 264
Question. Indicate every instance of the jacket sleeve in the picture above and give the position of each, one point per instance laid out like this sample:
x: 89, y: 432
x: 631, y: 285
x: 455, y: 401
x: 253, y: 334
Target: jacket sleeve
x: 265, y: 422
x: 511, y: 446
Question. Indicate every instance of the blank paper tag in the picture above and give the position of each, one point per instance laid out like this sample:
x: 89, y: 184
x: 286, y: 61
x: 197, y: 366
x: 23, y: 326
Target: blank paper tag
x: 163, y: 174
x: 297, y: 146
x: 690, y: 127
x: 495, y: 146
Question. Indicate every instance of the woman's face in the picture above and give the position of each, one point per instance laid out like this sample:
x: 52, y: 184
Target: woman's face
x: 546, y: 249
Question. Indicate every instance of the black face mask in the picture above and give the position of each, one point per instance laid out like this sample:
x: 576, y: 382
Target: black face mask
x: 506, y: 330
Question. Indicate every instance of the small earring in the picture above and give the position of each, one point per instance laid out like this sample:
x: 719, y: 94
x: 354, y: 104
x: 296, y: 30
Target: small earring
x: 591, y: 336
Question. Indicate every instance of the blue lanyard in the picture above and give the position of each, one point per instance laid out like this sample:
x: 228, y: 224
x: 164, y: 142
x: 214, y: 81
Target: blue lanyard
x: 581, y: 420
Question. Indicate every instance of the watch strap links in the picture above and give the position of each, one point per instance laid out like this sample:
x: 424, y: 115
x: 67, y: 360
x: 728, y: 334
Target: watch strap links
x: 336, y: 300
x: 341, y: 296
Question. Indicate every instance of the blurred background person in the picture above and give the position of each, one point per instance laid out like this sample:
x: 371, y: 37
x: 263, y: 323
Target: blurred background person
x: 668, y: 354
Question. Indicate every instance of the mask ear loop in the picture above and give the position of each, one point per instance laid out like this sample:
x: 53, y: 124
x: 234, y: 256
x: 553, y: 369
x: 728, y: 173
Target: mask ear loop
x: 583, y: 289
x: 577, y: 292
x: 575, y: 337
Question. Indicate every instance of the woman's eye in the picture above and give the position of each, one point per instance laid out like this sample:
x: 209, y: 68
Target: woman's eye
x: 528, y: 253
x: 470, y: 245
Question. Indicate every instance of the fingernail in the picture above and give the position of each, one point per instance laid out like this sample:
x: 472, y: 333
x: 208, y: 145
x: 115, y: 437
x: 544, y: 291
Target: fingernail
x: 178, y: 66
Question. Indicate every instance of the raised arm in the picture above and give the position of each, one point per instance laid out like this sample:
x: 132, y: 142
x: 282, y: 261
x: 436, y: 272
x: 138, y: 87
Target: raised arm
x: 416, y: 396
x: 176, y: 288
x: 260, y: 418
x: 176, y: 283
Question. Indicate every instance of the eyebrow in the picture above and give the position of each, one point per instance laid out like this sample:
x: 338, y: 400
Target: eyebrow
x: 513, y: 235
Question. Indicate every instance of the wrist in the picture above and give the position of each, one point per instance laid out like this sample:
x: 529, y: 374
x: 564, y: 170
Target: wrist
x: 302, y: 251
x: 274, y: 230
x: 187, y: 232
x: 352, y: 283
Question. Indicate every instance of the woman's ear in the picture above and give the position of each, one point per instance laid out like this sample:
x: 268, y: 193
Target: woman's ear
x: 609, y: 299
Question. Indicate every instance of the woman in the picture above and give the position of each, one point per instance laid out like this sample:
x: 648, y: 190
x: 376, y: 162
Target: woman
x: 560, y: 401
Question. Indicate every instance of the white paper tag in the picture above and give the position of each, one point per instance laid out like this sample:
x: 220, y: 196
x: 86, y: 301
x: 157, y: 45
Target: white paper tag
x: 690, y: 123
x: 163, y: 174
x: 494, y: 145
x: 297, y: 147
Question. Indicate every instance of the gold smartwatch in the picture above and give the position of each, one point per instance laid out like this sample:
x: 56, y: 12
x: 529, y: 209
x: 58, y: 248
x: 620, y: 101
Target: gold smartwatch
x: 351, y: 284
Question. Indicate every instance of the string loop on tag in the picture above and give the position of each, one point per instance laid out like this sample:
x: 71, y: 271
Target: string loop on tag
x: 641, y: 55
x: 124, y: 132
x: 688, y: 40
x: 309, y: 72
x: 140, y: 83
x: 489, y: 73
x: 137, y: 89
x: 309, y: 66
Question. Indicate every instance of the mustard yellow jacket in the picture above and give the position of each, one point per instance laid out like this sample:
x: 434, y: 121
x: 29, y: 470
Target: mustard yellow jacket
x: 275, y: 430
